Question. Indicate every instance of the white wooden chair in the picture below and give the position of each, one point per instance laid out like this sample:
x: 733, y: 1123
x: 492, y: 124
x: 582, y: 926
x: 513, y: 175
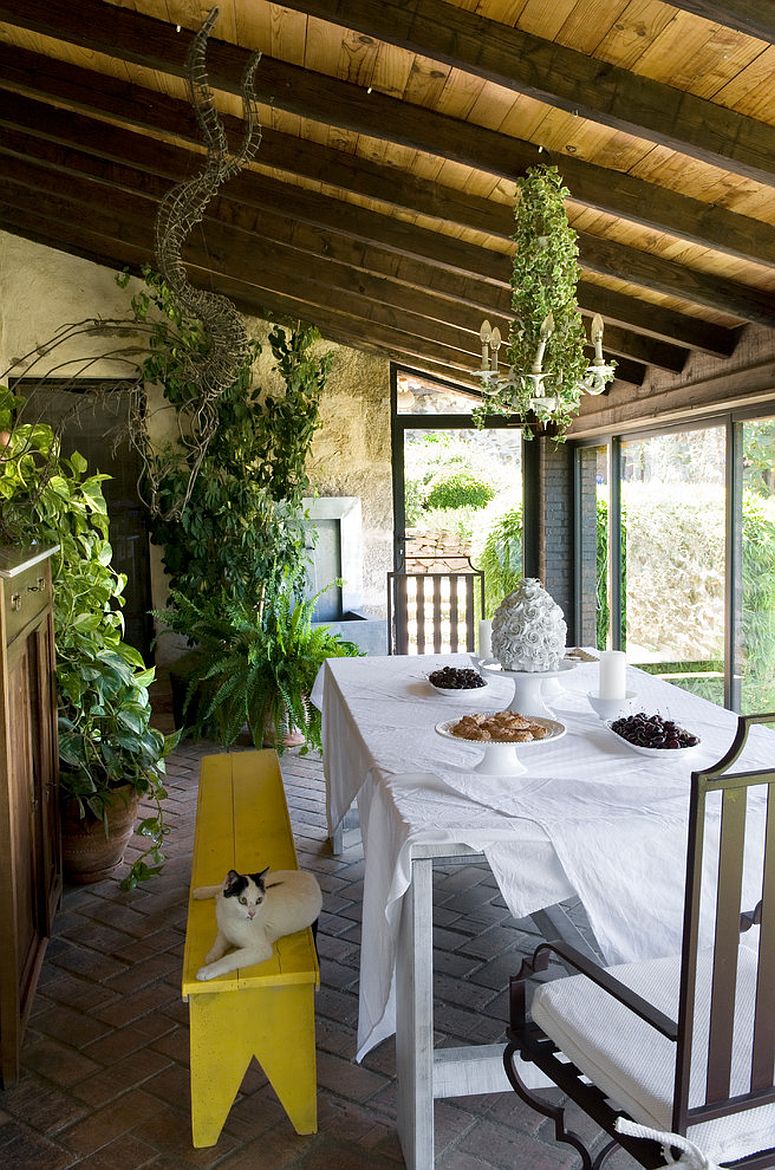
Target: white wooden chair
x: 435, y: 611
x: 683, y: 1046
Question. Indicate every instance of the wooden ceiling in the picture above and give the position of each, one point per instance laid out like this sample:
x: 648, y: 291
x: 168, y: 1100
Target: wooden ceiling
x: 380, y: 203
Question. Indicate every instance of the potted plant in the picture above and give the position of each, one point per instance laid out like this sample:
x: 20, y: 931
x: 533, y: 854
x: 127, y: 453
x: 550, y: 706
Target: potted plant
x: 255, y: 666
x: 110, y: 756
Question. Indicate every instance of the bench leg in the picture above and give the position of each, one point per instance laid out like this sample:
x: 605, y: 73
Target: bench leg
x: 274, y: 1024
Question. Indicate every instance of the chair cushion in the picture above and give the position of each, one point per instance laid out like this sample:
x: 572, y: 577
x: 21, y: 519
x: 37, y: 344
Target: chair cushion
x: 634, y: 1065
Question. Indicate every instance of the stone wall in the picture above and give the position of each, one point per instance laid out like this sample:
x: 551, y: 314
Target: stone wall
x: 44, y: 288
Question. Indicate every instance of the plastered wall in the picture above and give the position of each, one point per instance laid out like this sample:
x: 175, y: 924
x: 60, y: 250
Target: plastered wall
x: 44, y: 289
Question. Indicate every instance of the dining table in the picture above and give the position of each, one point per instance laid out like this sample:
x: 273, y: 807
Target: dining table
x: 590, y: 817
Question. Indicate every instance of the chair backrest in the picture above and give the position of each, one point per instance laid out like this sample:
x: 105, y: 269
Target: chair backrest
x: 435, y: 612
x: 744, y: 854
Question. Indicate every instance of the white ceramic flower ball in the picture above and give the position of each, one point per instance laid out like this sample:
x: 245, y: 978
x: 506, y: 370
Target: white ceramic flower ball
x: 528, y: 629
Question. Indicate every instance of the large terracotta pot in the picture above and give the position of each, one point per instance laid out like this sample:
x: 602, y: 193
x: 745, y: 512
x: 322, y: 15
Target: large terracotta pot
x: 88, y: 855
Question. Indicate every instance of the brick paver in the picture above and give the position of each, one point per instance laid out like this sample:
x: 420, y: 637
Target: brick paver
x: 105, y: 1064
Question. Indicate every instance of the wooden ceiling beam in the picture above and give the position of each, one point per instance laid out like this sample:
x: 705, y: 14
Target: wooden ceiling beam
x: 356, y: 223
x: 654, y: 320
x: 266, y: 304
x: 144, y: 40
x: 243, y: 256
x: 25, y: 157
x: 754, y: 17
x: 562, y: 77
x: 129, y: 218
x: 80, y: 131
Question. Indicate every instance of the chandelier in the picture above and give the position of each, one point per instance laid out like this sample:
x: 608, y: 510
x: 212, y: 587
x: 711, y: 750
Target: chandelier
x: 546, y: 369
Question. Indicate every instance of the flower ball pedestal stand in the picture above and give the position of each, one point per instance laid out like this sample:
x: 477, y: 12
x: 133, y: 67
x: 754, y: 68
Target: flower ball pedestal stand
x: 528, y: 686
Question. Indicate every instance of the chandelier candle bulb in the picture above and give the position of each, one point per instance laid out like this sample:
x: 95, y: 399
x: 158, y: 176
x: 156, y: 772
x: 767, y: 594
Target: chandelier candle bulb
x: 485, y: 639
x: 597, y: 338
x: 613, y: 674
x: 485, y: 333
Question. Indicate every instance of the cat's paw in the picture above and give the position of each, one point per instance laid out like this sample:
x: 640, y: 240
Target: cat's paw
x: 205, y: 973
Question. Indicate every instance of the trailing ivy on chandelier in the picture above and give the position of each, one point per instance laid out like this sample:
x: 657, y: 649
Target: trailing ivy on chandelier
x: 547, y: 368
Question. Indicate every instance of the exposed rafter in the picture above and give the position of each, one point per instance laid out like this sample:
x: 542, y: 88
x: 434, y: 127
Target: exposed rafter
x: 563, y: 77
x: 755, y: 17
x: 153, y: 43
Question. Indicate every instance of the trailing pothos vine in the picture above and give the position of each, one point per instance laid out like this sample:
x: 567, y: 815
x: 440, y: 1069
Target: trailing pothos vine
x: 230, y: 520
x: 545, y: 275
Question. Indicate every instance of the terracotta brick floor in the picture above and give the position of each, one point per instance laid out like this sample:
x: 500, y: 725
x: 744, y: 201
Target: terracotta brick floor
x: 105, y: 1063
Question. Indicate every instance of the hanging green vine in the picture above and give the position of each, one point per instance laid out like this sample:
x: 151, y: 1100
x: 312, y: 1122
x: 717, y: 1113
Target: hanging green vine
x: 544, y: 279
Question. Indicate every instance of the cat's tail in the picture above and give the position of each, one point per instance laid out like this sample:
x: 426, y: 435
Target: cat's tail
x: 202, y: 892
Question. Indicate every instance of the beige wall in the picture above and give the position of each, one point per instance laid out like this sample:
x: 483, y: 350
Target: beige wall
x: 44, y: 289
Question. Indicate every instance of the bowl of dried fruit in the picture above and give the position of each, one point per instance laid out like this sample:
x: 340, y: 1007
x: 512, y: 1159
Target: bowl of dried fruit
x: 653, y: 735
x: 455, y: 680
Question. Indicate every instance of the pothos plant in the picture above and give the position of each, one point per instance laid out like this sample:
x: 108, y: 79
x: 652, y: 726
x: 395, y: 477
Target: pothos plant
x: 106, y: 739
x: 242, y: 527
x: 236, y: 550
x: 544, y: 279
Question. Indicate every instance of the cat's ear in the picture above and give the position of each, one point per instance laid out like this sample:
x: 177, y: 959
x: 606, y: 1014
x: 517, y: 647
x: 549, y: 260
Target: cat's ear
x: 231, y: 877
x: 258, y: 878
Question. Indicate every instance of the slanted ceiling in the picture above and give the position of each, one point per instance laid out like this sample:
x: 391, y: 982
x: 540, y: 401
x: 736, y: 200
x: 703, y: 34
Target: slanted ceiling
x: 380, y: 204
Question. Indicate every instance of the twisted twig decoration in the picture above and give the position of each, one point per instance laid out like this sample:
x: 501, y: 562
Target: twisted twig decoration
x: 213, y: 370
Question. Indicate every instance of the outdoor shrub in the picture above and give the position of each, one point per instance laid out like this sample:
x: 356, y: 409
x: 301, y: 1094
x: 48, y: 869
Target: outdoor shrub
x: 758, y: 608
x: 458, y: 490
x: 501, y: 559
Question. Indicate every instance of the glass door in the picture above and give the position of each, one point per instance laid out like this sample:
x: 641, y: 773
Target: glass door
x: 457, y: 495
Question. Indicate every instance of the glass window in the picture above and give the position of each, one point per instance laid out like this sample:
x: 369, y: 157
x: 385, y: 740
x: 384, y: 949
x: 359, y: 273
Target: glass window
x: 593, y: 584
x: 673, y: 567
x: 754, y: 653
x: 418, y: 395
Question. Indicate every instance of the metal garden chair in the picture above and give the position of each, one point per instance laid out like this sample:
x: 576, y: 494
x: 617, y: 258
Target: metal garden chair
x: 674, y: 1053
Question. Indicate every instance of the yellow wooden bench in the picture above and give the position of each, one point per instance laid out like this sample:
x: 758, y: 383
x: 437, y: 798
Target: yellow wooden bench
x: 267, y: 1010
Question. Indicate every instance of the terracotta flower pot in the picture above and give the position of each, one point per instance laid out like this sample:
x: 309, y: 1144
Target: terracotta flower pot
x: 88, y: 855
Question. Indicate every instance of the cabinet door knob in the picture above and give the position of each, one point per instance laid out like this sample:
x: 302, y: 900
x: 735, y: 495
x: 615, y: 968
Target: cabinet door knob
x: 39, y: 588
x: 16, y: 602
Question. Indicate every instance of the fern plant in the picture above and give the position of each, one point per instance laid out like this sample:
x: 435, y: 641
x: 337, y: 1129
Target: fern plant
x: 254, y: 666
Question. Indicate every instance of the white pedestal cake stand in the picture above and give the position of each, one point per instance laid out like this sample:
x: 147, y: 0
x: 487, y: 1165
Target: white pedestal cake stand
x: 501, y: 759
x: 528, y: 699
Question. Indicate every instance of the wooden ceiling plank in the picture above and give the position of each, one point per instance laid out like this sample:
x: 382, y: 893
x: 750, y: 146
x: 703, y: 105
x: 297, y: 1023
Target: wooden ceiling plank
x: 564, y: 77
x: 753, y: 17
x: 153, y: 43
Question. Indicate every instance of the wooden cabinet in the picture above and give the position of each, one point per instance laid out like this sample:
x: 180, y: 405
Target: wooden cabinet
x: 30, y: 851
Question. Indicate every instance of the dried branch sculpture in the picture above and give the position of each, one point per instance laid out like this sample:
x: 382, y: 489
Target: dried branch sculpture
x: 213, y: 366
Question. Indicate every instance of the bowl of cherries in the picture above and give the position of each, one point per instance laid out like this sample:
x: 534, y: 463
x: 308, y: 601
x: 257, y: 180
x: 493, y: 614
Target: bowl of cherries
x: 454, y: 680
x: 652, y: 735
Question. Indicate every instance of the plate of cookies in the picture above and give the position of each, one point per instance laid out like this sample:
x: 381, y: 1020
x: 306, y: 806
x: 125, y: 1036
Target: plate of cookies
x: 501, y: 734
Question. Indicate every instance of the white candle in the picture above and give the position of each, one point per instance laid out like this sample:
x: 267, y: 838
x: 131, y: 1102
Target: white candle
x: 485, y: 639
x: 613, y: 674
x: 597, y: 338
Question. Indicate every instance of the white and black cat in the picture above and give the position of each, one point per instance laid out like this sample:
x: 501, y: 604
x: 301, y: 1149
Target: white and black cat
x: 252, y: 911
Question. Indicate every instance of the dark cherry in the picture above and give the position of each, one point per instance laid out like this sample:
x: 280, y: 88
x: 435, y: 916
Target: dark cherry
x: 652, y: 731
x: 456, y: 678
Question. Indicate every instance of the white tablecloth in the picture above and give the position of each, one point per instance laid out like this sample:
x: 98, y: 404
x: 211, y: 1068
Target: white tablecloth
x: 591, y: 817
